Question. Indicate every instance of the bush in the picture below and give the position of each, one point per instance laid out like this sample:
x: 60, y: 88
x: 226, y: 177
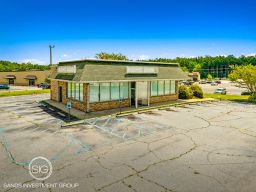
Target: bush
x: 197, y: 91
x: 252, y: 97
x: 246, y: 93
x: 185, y: 92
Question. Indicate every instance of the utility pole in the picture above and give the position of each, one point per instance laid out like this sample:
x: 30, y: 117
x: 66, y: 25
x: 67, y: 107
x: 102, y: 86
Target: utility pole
x: 51, y: 47
x: 217, y: 71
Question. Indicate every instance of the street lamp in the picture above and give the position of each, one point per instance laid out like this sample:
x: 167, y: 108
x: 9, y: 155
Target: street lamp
x: 51, y: 47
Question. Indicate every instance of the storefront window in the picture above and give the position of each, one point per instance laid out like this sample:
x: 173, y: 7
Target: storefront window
x: 104, y: 91
x: 154, y: 88
x: 173, y: 87
x: 124, y: 90
x: 69, y: 90
x: 94, y: 92
x: 75, y: 91
x: 167, y: 88
x: 114, y: 91
x: 160, y: 87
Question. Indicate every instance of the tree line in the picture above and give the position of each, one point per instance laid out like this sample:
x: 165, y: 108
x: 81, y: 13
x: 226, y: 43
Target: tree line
x: 217, y: 66
x: 6, y: 66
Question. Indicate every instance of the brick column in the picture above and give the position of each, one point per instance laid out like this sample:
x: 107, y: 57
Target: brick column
x: 54, y: 90
x: 86, y: 97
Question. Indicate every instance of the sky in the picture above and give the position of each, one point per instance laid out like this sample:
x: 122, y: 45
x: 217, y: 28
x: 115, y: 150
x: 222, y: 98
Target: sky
x: 139, y: 29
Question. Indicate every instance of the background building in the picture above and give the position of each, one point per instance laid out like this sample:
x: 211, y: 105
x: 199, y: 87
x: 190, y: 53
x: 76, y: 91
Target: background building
x: 195, y: 76
x: 27, y: 78
x: 93, y: 85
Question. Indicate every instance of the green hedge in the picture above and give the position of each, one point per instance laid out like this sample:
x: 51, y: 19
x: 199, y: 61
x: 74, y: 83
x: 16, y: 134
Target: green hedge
x: 188, y: 92
x: 197, y: 91
x: 252, y: 98
x: 185, y: 92
x: 24, y: 92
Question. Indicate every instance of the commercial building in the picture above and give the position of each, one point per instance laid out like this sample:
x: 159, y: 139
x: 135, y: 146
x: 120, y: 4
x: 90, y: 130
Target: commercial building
x: 94, y: 85
x: 26, y: 78
x: 195, y: 76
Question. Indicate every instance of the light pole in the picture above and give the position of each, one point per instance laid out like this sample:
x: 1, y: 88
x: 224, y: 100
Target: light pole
x: 51, y: 47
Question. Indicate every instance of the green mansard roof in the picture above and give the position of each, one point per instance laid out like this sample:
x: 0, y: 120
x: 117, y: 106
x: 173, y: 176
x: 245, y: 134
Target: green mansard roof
x: 92, y: 70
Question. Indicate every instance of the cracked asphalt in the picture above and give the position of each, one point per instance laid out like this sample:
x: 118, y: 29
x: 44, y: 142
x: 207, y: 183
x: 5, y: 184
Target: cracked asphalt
x: 202, y: 147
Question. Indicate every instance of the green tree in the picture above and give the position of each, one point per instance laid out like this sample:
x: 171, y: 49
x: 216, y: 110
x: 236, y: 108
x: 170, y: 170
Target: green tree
x: 245, y: 76
x: 209, y: 77
x: 13, y: 66
x: 111, y: 56
x: 185, y: 69
x: 197, y: 68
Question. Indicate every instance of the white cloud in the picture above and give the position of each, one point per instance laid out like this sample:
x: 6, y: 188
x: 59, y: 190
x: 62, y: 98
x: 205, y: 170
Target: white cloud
x: 65, y: 55
x: 143, y: 57
x: 251, y: 54
x: 33, y: 61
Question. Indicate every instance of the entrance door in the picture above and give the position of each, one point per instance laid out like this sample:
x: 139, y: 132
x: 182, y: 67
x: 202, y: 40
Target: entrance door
x: 60, y: 94
x: 133, y: 94
x: 142, y: 95
x: 31, y: 82
x: 11, y: 81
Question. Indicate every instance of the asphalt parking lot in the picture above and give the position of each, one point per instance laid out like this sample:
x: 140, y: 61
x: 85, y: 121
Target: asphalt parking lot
x: 231, y: 88
x: 200, y: 147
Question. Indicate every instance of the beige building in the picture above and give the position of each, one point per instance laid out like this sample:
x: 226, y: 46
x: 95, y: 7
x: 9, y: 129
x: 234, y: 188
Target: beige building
x: 27, y: 78
x: 195, y: 76
x: 95, y: 85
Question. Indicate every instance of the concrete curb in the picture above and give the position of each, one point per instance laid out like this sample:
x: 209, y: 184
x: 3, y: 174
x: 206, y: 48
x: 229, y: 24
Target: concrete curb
x: 138, y: 111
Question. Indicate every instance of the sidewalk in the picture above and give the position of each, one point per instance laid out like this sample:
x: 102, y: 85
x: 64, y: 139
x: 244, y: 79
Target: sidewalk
x: 124, y: 111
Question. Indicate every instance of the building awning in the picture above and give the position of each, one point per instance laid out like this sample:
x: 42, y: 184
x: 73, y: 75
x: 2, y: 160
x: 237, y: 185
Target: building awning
x: 30, y: 77
x: 10, y: 77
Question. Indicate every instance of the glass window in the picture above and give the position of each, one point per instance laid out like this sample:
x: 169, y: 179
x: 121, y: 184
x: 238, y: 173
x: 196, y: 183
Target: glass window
x: 73, y: 87
x: 94, y: 92
x: 124, y: 90
x: 77, y: 91
x: 154, y: 88
x: 173, y: 87
x: 167, y: 87
x: 160, y: 87
x: 69, y: 90
x: 81, y: 90
x: 114, y: 91
x: 104, y: 91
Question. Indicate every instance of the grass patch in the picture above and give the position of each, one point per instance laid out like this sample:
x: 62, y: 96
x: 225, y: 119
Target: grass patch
x: 239, y: 98
x: 23, y: 92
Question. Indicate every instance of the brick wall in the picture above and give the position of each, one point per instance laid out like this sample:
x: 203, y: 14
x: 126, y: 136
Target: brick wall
x: 163, y: 98
x: 54, y: 90
x: 99, y: 106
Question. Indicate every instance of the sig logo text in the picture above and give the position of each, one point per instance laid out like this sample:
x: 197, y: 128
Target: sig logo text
x: 40, y: 168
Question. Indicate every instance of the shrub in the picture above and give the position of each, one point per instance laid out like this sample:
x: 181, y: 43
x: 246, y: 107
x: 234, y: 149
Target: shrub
x: 185, y: 92
x: 252, y: 97
x: 246, y: 93
x: 209, y: 77
x: 197, y: 91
